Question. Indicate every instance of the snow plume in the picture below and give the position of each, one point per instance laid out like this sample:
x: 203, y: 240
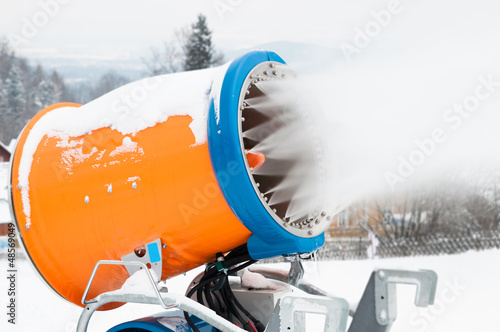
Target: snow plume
x: 129, y: 109
x: 391, y: 126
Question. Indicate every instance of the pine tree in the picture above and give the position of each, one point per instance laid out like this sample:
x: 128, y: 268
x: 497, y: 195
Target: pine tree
x: 46, y: 93
x: 199, y: 50
x: 3, y: 110
x: 15, y: 92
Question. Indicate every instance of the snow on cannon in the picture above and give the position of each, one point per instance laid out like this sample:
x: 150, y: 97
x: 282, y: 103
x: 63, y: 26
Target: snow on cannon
x: 223, y: 167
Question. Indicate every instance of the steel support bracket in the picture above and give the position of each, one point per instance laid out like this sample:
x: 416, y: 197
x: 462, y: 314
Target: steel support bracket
x: 377, y: 309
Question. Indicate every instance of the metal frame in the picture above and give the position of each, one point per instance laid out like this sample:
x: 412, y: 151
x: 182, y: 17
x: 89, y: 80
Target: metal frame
x: 166, y: 300
x: 377, y: 309
x: 375, y: 313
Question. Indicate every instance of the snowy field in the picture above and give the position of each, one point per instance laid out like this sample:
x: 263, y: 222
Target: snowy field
x: 467, y: 298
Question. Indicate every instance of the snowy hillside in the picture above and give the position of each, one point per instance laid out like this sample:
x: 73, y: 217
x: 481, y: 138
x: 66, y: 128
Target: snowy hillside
x: 467, y: 298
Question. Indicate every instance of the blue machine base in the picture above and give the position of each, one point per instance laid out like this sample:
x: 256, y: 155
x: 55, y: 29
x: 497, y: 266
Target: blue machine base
x: 169, y: 321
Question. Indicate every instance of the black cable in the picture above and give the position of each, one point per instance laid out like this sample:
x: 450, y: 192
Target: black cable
x: 235, y: 261
x: 190, y: 322
x: 258, y: 324
x: 231, y: 306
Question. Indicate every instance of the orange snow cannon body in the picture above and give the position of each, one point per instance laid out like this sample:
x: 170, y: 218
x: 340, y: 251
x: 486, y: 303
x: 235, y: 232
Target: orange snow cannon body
x: 158, y: 171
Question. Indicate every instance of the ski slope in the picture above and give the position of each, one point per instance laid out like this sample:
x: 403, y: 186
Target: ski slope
x: 467, y: 297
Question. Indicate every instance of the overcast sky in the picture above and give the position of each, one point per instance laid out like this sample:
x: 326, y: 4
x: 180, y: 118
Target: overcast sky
x: 110, y: 26
x: 128, y: 27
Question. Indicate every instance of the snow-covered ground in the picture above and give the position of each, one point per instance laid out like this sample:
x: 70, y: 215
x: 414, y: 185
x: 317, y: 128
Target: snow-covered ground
x: 467, y: 298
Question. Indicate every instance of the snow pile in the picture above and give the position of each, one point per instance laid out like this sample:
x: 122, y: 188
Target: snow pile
x: 129, y: 109
x: 127, y: 146
x: 138, y: 283
x: 252, y: 280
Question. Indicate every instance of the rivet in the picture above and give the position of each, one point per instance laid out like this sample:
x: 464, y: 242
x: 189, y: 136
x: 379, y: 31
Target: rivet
x: 323, y: 213
x: 310, y: 232
x: 19, y: 187
x: 134, y: 185
x: 275, y: 73
x: 87, y: 199
x: 242, y: 119
x: 27, y: 227
x: 164, y: 245
x: 266, y: 72
x: 271, y: 65
x: 242, y: 107
x: 110, y: 189
x: 274, y: 210
x: 248, y: 92
x: 310, y: 225
x: 257, y: 185
x: 317, y: 221
x: 252, y: 76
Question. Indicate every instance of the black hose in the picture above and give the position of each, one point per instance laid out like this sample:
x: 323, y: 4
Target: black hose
x: 258, y: 324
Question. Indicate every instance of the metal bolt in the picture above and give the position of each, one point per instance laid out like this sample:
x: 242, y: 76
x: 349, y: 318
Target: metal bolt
x: 252, y: 76
x: 310, y: 225
x: 272, y: 65
x: 275, y: 73
x: 317, y: 221
x: 87, y: 199
x: 242, y: 107
x: 266, y: 72
x: 110, y: 189
x: 242, y: 119
x: 19, y: 187
x: 257, y: 185
x: 248, y: 92
x: 164, y: 245
x: 323, y: 213
x: 310, y: 232
x: 27, y: 227
x: 134, y: 185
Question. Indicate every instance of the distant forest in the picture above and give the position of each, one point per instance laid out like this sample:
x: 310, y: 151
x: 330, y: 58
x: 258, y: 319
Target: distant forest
x: 27, y: 89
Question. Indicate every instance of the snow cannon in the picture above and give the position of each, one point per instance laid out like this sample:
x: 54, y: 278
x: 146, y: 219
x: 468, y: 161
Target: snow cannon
x: 170, y: 171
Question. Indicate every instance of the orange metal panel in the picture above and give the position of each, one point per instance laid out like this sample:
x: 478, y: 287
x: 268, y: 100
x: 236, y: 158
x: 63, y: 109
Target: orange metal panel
x: 158, y: 185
